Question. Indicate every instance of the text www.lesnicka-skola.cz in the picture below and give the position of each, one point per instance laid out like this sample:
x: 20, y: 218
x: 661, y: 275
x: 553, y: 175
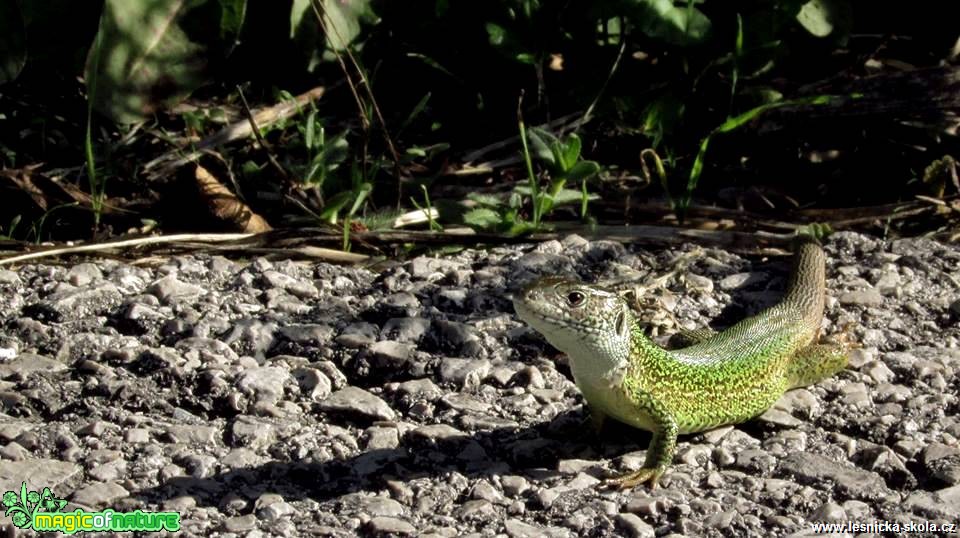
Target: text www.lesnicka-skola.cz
x: 885, y: 526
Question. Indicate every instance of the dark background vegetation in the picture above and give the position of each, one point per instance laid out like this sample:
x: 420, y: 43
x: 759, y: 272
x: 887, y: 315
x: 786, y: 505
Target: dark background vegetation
x: 763, y: 113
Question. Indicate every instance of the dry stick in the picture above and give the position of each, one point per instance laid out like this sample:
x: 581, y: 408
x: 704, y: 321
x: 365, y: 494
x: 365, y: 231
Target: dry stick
x: 317, y: 9
x: 190, y: 241
x: 259, y: 136
x: 140, y: 241
x: 237, y: 130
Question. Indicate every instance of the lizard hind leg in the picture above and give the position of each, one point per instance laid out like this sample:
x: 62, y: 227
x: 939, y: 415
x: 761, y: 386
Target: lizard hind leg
x: 816, y: 362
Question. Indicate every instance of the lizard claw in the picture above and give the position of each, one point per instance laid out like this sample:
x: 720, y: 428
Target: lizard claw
x: 636, y: 478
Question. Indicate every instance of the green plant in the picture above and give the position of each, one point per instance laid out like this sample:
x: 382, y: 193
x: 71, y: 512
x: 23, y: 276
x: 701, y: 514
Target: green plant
x: 97, y: 184
x: 11, y: 228
x: 732, y: 124
x: 427, y: 209
x: 354, y: 198
x: 324, y: 154
x: 561, y: 156
x: 491, y: 213
x: 562, y: 160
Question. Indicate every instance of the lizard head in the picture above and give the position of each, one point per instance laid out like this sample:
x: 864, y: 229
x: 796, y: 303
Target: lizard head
x: 577, y: 318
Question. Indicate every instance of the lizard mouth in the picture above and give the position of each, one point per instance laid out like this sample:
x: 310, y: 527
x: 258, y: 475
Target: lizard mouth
x: 546, y: 323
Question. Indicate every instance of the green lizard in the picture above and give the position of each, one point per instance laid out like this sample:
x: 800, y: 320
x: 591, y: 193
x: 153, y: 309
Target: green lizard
x: 725, y: 378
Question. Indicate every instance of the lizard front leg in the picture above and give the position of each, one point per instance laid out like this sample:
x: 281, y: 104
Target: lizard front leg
x: 662, y: 445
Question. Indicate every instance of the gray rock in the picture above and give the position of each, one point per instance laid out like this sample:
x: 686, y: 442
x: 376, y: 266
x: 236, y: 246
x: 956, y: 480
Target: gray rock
x: 193, y: 434
x: 389, y: 526
x: 464, y: 372
x: 99, y: 495
x: 381, y: 438
x: 389, y: 354
x: 313, y: 383
x: 454, y: 338
x: 83, y: 274
x: 867, y: 297
x: 814, y: 468
x: 944, y: 503
x: 264, y: 384
x: 9, y: 278
x: 240, y: 523
x: 27, y: 363
x: 71, y: 303
x: 170, y: 289
x: 573, y: 467
x: 307, y: 334
x: 777, y: 417
x: 51, y: 473
x: 408, y: 330
x: 420, y: 388
x: 240, y: 458
x: 829, y: 512
x: 743, y: 280
x: 357, y: 335
x: 516, y: 528
x: 943, y: 463
x: 635, y: 526
x: 514, y: 485
x: 357, y: 402
x: 252, y: 433
x: 438, y: 433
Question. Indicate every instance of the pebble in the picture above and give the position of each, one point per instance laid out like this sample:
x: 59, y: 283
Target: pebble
x: 359, y: 403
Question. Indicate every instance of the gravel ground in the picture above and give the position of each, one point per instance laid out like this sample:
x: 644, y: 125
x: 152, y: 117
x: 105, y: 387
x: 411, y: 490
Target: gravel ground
x: 285, y: 398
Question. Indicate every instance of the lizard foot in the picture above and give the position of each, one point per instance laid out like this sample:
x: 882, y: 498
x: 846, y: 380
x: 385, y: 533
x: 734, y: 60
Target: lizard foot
x: 630, y: 480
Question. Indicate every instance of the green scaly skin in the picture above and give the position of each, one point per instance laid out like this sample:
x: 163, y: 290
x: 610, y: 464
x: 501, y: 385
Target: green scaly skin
x: 726, y: 378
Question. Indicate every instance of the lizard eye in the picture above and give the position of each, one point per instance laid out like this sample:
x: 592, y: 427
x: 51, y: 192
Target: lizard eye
x: 576, y: 298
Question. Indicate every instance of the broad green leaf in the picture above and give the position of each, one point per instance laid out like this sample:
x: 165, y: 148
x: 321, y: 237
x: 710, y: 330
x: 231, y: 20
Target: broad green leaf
x: 487, y: 200
x: 662, y: 19
x: 341, y: 25
x: 569, y: 196
x: 571, y: 151
x: 825, y: 17
x: 526, y: 58
x: 232, y: 15
x: 152, y: 54
x: 583, y: 170
x: 13, y: 41
x: 496, y: 34
x: 543, y: 144
x: 334, y: 206
x: 361, y: 195
x: 482, y: 217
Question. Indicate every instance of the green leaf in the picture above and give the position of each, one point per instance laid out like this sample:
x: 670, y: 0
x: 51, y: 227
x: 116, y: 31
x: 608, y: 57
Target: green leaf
x: 152, y: 54
x: 361, y: 196
x: 334, y: 206
x: 526, y: 58
x: 13, y: 41
x: 825, y: 17
x: 569, y: 196
x: 662, y: 19
x: 341, y: 19
x: 543, y: 144
x: 571, y: 151
x: 583, y: 170
x: 232, y: 15
x: 496, y: 34
x: 482, y: 217
x: 487, y: 200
